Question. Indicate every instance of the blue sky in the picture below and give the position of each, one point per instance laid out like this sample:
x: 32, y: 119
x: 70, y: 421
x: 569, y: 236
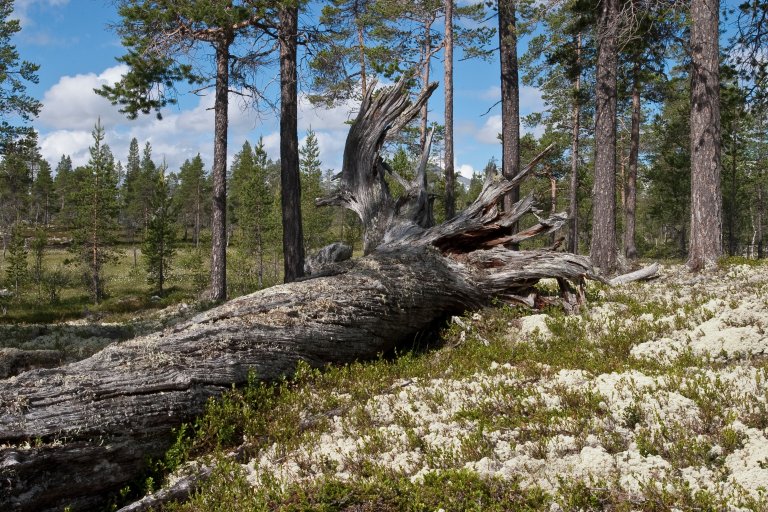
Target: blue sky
x: 76, y: 49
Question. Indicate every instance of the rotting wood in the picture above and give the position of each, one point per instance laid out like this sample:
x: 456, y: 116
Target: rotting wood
x: 71, y: 435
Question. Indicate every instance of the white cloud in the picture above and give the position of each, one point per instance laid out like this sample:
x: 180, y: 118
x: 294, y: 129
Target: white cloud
x: 465, y: 170
x: 72, y: 104
x: 492, y: 93
x: 66, y: 142
x: 323, y: 118
x: 531, y: 100
x: 72, y: 109
x: 489, y: 132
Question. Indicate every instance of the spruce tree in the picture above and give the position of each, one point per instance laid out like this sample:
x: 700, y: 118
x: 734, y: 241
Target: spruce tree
x: 256, y: 205
x: 191, y: 197
x: 96, y: 209
x: 130, y: 204
x: 160, y: 241
x: 38, y: 245
x: 62, y: 183
x: 316, y: 221
x: 42, y: 194
x: 17, y: 270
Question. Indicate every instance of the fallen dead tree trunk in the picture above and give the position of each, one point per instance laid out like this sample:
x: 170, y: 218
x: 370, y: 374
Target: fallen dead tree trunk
x: 71, y: 435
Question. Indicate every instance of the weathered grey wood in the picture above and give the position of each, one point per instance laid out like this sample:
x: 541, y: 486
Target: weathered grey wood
x: 332, y: 253
x: 14, y: 361
x: 648, y: 272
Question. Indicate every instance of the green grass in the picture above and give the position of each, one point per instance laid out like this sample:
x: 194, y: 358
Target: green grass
x: 127, y: 290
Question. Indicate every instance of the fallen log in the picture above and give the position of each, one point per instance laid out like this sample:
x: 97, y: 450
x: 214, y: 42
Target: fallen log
x: 71, y: 435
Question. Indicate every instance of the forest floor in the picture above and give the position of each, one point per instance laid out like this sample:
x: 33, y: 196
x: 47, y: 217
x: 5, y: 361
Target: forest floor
x: 655, y: 398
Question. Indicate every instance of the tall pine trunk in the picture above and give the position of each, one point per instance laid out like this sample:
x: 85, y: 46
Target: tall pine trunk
x: 732, y: 242
x: 630, y: 185
x: 573, y: 199
x: 760, y: 191
x: 450, y: 193
x: 426, y: 58
x: 290, y: 186
x: 706, y: 196
x: 219, y: 172
x: 510, y: 98
x: 603, y: 250
x: 361, y: 57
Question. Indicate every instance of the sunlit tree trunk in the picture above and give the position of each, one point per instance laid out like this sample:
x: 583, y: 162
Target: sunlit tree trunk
x: 290, y: 187
x: 630, y: 184
x: 603, y: 250
x: 450, y: 193
x: 218, y: 290
x: 510, y: 97
x: 706, y: 196
x: 573, y: 199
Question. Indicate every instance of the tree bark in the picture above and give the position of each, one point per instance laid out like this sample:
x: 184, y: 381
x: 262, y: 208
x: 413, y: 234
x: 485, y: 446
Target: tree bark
x: 450, y: 192
x: 603, y: 250
x: 72, y: 435
x: 573, y: 197
x: 426, y: 63
x: 293, y: 235
x: 630, y: 184
x: 218, y: 290
x: 510, y: 97
x: 732, y: 248
x: 706, y: 196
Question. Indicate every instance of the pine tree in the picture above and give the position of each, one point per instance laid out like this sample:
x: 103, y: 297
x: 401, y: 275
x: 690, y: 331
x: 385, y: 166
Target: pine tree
x: 14, y: 77
x: 706, y: 195
x: 159, y: 246
x: 603, y: 248
x: 290, y: 182
x: 159, y: 43
x: 95, y: 223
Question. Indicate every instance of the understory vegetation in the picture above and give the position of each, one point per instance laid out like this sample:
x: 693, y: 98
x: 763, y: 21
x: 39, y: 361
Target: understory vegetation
x: 652, y: 398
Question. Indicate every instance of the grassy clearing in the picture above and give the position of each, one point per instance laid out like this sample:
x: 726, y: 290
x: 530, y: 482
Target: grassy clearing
x: 127, y: 291
x: 569, y: 415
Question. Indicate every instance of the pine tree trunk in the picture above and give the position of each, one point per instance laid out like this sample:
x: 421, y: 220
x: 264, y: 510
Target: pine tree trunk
x: 732, y: 210
x: 218, y: 290
x: 450, y: 192
x: 630, y: 185
x: 573, y: 199
x: 706, y: 196
x: 510, y: 97
x: 603, y: 250
x: 760, y: 216
x: 760, y: 191
x: 290, y: 185
x: 361, y: 57
x: 426, y: 61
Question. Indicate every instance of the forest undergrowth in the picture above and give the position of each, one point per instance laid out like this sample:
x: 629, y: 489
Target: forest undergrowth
x: 653, y: 398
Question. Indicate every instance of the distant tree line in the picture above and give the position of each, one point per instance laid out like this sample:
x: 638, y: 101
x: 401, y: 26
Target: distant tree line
x: 659, y: 134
